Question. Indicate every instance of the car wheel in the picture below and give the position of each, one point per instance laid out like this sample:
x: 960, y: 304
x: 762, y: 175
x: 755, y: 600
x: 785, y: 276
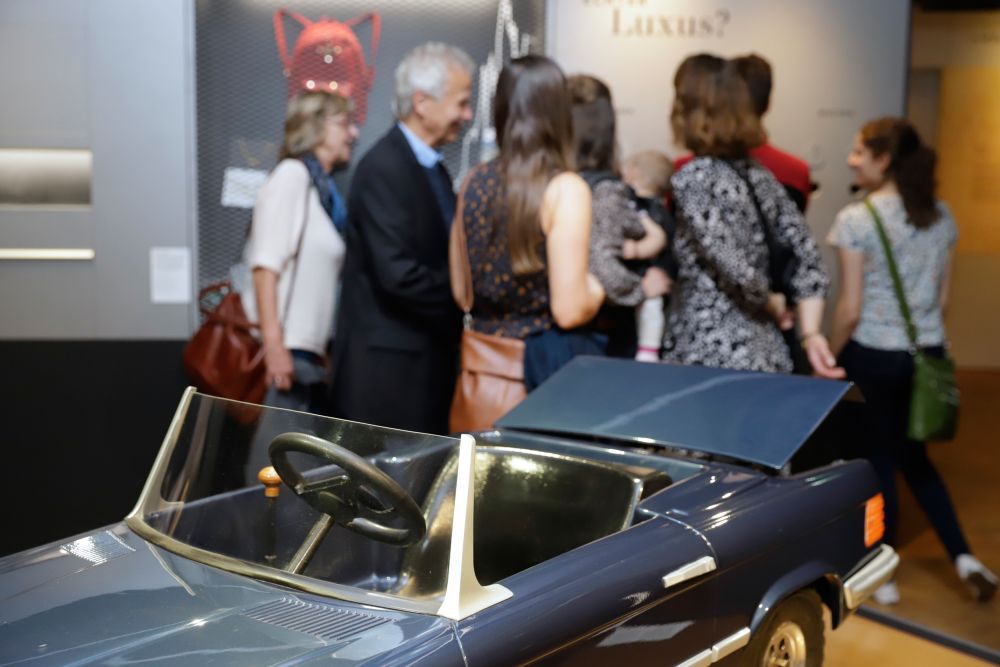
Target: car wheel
x: 790, y: 636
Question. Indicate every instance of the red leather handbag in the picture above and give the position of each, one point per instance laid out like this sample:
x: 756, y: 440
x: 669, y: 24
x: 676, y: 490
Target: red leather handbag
x: 224, y: 358
x: 328, y: 56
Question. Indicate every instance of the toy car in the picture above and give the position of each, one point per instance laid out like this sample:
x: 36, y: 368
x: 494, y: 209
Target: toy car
x: 624, y: 513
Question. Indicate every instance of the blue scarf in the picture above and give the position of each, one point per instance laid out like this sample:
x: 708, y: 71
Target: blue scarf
x: 329, y: 198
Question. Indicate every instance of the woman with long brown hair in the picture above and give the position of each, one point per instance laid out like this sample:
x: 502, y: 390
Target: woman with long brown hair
x: 526, y: 215
x: 620, y: 230
x: 896, y: 169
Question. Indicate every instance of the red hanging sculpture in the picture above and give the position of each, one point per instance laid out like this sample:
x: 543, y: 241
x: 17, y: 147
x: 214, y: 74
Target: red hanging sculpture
x: 328, y: 56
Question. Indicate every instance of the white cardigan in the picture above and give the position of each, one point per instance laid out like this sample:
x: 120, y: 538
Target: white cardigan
x: 277, y: 222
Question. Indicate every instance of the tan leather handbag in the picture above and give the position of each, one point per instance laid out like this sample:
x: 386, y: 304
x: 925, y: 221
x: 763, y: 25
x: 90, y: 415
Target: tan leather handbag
x: 491, y: 379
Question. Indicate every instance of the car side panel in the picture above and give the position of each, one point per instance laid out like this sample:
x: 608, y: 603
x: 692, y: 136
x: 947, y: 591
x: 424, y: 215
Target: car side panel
x: 784, y: 535
x: 437, y: 647
x: 601, y: 603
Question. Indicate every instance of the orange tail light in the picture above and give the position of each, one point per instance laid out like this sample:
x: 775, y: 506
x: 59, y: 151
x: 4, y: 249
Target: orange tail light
x: 874, y: 519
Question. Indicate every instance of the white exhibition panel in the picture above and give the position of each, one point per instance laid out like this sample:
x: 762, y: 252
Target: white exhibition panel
x: 837, y: 63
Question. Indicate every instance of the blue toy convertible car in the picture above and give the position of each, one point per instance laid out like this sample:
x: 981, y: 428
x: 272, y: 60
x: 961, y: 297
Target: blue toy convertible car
x: 624, y: 513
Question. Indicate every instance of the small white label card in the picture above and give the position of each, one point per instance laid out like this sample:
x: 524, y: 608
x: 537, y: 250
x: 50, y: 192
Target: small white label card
x: 240, y: 186
x: 170, y: 275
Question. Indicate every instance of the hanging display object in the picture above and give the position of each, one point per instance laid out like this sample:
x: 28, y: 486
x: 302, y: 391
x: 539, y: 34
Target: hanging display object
x: 328, y: 56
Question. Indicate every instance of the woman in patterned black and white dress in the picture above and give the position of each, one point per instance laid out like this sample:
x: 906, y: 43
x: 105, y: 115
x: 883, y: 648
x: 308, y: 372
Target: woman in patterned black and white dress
x: 723, y: 313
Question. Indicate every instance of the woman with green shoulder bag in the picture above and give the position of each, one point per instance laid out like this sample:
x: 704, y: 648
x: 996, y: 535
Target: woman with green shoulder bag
x: 894, y: 250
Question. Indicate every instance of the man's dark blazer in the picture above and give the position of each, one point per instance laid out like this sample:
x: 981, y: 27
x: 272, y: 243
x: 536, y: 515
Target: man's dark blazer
x: 396, y: 347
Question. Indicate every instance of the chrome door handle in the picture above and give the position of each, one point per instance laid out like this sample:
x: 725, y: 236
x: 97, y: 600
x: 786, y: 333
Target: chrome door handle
x: 693, y: 569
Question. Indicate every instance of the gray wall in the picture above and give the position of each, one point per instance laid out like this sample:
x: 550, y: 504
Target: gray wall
x: 114, y: 77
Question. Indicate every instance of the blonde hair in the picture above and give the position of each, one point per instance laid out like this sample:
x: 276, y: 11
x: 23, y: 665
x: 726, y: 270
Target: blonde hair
x: 651, y: 170
x: 304, y: 120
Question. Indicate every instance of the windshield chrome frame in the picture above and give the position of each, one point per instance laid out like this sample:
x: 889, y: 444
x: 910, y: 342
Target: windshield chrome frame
x: 463, y: 596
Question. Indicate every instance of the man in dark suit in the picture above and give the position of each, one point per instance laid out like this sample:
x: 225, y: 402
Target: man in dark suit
x: 396, y: 347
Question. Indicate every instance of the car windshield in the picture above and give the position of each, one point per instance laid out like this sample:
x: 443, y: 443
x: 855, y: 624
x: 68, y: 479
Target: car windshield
x: 349, y: 528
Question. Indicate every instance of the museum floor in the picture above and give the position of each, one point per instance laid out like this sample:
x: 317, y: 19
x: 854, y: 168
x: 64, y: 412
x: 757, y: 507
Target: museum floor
x: 932, y: 595
x: 861, y: 642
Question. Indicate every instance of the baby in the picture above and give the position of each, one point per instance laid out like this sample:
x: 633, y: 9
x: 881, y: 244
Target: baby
x: 648, y: 174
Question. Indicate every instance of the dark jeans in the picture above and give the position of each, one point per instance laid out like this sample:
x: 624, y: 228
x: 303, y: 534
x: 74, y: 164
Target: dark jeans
x: 885, y: 379
x: 548, y: 351
x: 617, y: 324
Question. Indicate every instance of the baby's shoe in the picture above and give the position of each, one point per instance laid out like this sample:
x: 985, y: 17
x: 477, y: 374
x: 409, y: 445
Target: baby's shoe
x: 647, y: 354
x: 887, y: 593
x: 980, y: 581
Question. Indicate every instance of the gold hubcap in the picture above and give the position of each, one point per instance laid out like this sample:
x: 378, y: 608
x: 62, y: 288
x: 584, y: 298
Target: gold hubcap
x: 787, y: 647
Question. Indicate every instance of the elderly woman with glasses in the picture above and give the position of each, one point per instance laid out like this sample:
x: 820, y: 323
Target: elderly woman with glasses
x: 296, y: 249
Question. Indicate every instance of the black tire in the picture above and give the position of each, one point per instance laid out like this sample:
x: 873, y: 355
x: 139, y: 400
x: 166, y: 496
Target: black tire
x: 790, y: 636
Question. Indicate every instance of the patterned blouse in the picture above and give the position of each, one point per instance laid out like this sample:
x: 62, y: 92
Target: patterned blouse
x: 921, y: 256
x: 504, y: 304
x: 717, y: 305
x: 615, y: 219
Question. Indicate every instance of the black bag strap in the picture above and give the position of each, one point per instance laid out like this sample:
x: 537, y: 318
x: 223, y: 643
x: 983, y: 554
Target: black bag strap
x: 765, y: 221
x: 897, y: 283
x: 782, y: 259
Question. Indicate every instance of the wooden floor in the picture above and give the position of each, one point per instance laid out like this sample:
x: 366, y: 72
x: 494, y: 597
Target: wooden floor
x: 932, y: 594
x: 859, y: 642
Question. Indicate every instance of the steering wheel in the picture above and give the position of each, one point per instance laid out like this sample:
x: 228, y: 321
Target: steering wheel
x: 361, y: 498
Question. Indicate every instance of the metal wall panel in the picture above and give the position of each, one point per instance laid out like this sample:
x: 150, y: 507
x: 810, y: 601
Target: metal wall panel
x: 116, y: 78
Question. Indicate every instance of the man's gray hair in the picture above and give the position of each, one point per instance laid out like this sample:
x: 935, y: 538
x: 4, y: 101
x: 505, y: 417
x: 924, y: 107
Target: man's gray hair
x: 426, y: 69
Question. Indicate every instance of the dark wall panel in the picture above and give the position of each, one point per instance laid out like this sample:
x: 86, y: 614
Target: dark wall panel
x: 81, y: 424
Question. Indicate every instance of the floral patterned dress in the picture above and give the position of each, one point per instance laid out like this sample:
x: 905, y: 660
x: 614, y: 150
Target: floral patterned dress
x: 717, y: 315
x: 504, y: 304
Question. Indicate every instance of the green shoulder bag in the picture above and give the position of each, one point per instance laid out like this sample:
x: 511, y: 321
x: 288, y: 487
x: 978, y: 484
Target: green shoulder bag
x: 934, y: 399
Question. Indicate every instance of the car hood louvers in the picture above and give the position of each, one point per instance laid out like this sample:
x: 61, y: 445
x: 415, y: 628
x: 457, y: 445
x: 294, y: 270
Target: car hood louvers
x: 321, y: 622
